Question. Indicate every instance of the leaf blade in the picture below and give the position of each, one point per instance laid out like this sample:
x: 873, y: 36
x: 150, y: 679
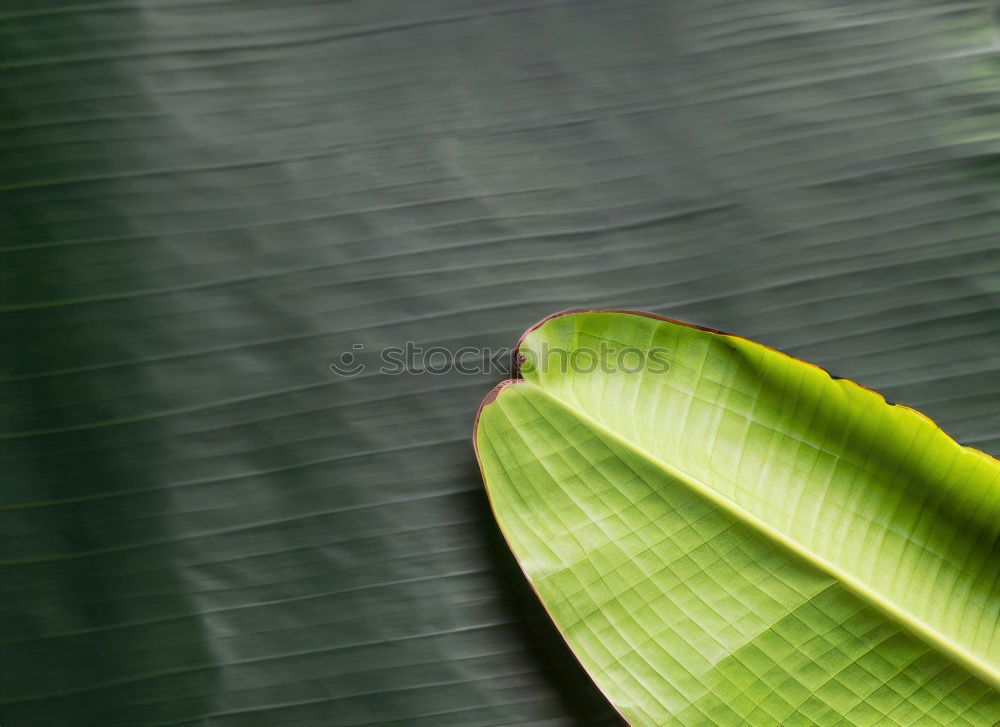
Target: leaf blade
x: 523, y: 411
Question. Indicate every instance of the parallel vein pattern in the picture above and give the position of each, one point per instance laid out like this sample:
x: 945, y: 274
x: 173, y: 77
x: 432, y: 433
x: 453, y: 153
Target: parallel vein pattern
x: 205, y: 202
x: 741, y: 539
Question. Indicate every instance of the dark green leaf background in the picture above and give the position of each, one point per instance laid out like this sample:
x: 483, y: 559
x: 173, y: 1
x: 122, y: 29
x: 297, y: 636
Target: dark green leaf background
x: 204, y: 203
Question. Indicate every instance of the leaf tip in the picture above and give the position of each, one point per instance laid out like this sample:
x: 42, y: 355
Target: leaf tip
x: 487, y: 400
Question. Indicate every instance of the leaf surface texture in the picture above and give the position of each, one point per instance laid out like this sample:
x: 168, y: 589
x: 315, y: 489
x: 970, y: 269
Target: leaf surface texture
x: 742, y: 539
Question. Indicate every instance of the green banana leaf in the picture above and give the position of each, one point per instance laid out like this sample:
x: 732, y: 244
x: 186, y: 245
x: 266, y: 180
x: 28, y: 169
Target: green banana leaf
x: 205, y: 203
x: 726, y: 535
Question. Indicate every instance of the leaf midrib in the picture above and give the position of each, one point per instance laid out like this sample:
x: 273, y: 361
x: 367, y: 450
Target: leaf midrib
x: 924, y: 631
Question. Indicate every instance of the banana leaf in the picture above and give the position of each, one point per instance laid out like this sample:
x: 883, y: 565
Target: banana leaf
x: 725, y: 535
x: 203, y: 205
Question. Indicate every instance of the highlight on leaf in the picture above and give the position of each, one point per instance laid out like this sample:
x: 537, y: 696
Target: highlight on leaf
x: 737, y: 538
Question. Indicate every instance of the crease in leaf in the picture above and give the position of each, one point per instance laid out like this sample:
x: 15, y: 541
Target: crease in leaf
x: 743, y: 539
